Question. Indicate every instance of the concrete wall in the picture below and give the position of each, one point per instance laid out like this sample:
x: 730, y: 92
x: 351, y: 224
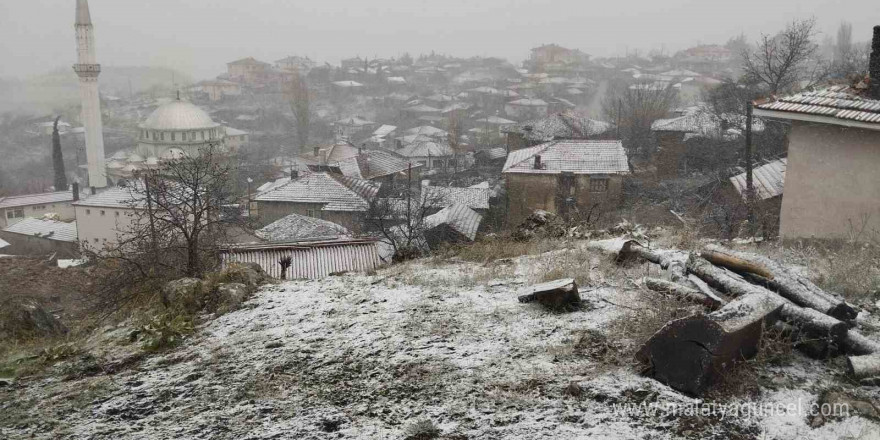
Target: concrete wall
x: 96, y: 230
x: 21, y: 244
x: 832, y: 183
x: 529, y: 192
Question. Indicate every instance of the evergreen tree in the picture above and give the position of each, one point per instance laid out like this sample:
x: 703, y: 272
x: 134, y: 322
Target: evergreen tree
x: 57, y: 159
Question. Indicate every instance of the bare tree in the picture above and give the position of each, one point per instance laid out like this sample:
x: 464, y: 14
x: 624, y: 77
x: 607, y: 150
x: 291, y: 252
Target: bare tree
x: 850, y: 59
x: 58, y: 159
x: 782, y: 61
x: 297, y: 91
x: 633, y: 108
x: 180, y: 214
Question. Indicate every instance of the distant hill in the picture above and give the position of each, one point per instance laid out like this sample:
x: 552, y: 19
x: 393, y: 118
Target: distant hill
x: 58, y: 89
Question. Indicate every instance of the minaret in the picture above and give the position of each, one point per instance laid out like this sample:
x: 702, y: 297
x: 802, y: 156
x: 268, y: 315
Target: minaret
x: 88, y: 70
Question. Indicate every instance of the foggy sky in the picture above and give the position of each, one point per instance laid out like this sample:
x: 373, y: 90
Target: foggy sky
x: 200, y: 36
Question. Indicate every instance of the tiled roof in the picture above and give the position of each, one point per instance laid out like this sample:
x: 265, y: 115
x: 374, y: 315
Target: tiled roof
x: 492, y: 153
x: 841, y: 103
x: 296, y: 227
x: 423, y: 108
x: 558, y: 126
x: 337, y: 193
x: 354, y: 121
x: 441, y: 196
x: 248, y: 60
x: 36, y: 199
x: 768, y: 179
x: 384, y: 130
x: 496, y: 121
x: 48, y: 229
x: 459, y: 217
x: 332, y: 154
x: 703, y: 123
x: 425, y: 149
x: 372, y: 164
x: 575, y: 156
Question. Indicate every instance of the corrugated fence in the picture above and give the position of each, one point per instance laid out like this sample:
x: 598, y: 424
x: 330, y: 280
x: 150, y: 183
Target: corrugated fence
x: 309, y: 260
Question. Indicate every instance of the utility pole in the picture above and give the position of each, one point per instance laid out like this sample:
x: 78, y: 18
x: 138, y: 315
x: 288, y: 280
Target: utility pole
x: 750, y: 185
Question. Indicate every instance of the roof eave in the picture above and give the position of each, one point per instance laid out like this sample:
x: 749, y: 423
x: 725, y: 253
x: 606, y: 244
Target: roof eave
x: 774, y: 114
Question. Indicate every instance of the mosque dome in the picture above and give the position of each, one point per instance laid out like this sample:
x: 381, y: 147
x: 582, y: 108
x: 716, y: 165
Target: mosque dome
x: 178, y: 115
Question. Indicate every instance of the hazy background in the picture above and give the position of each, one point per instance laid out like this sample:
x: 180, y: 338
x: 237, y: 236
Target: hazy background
x: 199, y: 36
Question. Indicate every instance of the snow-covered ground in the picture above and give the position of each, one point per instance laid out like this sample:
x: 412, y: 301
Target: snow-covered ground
x: 359, y: 356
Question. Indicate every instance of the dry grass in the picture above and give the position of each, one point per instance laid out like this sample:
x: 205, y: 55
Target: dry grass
x: 497, y: 248
x: 849, y: 269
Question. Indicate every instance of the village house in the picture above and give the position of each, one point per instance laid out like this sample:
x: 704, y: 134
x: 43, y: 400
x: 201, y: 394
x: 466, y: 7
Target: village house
x: 832, y: 183
x: 218, y: 89
x: 768, y: 181
x: 568, y: 125
x: 33, y: 236
x: 380, y: 166
x: 14, y: 209
x: 555, y: 57
x: 352, y: 126
x: 104, y: 217
x: 248, y: 70
x: 567, y: 177
x: 429, y: 155
x: 324, y: 195
x: 526, y: 108
x: 295, y: 63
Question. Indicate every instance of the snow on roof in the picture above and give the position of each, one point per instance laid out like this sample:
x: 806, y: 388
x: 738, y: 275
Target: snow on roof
x: 347, y: 84
x: 396, y: 80
x: 384, y: 130
x: 423, y: 108
x: 48, y: 229
x: 496, y: 121
x: 768, y: 179
x: 354, y: 121
x: 568, y: 125
x: 3, y: 243
x: 840, y: 105
x: 295, y: 227
x: 248, y: 61
x: 425, y: 149
x: 492, y: 153
x: 441, y: 196
x: 337, y: 193
x: 426, y: 130
x: 529, y: 102
x: 235, y: 132
x: 36, y: 199
x: 372, y: 164
x: 575, y: 156
x: 459, y: 217
x: 115, y: 197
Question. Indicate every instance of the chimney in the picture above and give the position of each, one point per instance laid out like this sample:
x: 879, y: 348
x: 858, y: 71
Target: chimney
x: 75, y: 190
x: 538, y: 162
x: 294, y: 174
x: 874, y: 65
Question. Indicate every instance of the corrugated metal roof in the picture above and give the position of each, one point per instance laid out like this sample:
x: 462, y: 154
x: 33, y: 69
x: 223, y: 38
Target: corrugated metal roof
x: 309, y: 260
x: 114, y: 197
x: 337, y: 193
x: 575, y: 156
x: 37, y: 199
x: 48, y: 229
x: 838, y: 102
x: 768, y: 179
x: 458, y: 217
x: 425, y: 149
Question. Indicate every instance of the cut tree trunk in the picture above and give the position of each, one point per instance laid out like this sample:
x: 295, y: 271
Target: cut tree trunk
x: 684, y: 292
x: 670, y: 261
x: 792, y: 286
x: 810, y: 321
x: 559, y: 294
x: 861, y: 367
x: 692, y: 353
x: 857, y: 344
x: 703, y: 287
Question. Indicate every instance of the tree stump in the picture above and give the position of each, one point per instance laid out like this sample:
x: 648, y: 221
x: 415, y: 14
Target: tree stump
x: 692, y: 353
x: 558, y: 294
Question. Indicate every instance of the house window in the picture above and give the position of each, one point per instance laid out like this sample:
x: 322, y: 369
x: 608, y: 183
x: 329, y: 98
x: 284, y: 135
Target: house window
x: 173, y: 136
x: 202, y: 134
x: 192, y: 136
x: 154, y: 135
x: 162, y: 136
x: 423, y: 163
x: 15, y: 213
x: 311, y: 213
x: 437, y: 164
x: 103, y: 212
x: 598, y: 185
x: 88, y: 212
x: 116, y: 213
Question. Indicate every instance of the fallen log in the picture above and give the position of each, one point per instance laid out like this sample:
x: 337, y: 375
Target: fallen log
x: 684, y: 292
x: 703, y: 287
x: 692, y: 353
x: 857, y: 344
x: 860, y: 367
x: 790, y: 285
x: 558, y: 294
x: 808, y: 320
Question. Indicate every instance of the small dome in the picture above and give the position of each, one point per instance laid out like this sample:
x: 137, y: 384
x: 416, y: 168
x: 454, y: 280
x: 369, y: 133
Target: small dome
x: 178, y: 115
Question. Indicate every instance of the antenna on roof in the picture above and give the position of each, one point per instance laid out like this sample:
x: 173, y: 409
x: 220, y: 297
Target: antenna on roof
x: 178, y: 95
